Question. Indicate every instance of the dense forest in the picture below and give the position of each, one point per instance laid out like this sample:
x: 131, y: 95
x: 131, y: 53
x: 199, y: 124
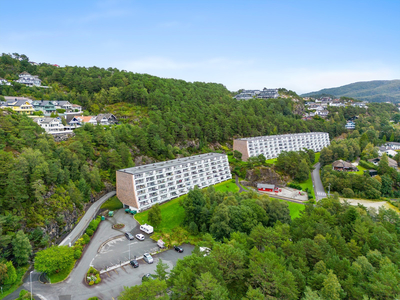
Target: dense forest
x: 45, y: 186
x: 332, y: 251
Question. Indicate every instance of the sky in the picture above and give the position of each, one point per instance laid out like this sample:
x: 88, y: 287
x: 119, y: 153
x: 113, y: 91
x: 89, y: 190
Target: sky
x: 300, y: 45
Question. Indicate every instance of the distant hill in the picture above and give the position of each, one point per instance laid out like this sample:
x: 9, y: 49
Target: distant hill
x: 372, y: 91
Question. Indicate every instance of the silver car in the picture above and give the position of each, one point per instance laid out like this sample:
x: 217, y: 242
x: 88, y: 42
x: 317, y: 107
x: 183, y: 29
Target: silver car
x: 147, y: 258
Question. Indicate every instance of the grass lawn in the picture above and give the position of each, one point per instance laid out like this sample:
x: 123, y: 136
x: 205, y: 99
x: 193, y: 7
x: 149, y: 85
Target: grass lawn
x: 227, y: 186
x: 7, y: 290
x: 294, y: 208
x: 360, y: 172
x: 271, y: 161
x: 112, y: 204
x: 57, y: 277
x: 317, y: 155
x: 172, y: 215
x: 308, y: 184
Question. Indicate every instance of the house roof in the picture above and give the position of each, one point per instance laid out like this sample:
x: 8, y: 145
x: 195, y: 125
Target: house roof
x: 70, y: 116
x: 24, y: 73
x: 85, y: 119
x: 343, y: 164
x: 265, y: 186
x: 392, y: 162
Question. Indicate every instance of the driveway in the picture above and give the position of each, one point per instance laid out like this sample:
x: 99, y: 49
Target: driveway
x: 317, y: 183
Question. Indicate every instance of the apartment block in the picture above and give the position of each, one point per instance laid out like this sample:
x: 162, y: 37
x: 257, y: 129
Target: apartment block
x: 271, y: 146
x: 143, y: 186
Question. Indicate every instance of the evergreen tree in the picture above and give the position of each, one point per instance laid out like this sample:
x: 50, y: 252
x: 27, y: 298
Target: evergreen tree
x: 22, y: 249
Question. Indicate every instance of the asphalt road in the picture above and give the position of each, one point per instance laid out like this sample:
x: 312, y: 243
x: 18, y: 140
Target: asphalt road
x: 318, y: 187
x: 84, y: 222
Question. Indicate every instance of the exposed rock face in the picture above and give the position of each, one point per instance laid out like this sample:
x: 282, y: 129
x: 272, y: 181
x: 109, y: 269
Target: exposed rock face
x: 60, y: 137
x: 264, y: 175
x: 298, y: 109
x: 144, y: 160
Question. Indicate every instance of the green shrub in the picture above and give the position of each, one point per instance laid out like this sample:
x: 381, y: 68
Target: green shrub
x: 86, y: 239
x: 92, y: 271
x: 294, y: 186
x: 11, y: 274
x: 193, y: 228
x: 348, y: 193
x: 24, y: 294
x: 89, y: 232
x: 98, y: 279
x: 93, y: 298
x: 77, y: 254
x: 367, y: 165
x: 91, y: 282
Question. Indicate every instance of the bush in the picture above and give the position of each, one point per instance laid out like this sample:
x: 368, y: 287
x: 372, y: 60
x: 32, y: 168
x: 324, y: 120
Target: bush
x: 98, y: 279
x: 11, y: 274
x: 367, y: 165
x: 193, y: 228
x: 91, y: 282
x: 86, y: 239
x: 294, y: 186
x: 92, y: 271
x: 89, y: 232
x: 348, y: 193
x: 24, y: 294
x: 77, y: 254
x: 93, y: 298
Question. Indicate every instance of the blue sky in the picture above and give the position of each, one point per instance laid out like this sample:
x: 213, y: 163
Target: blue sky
x: 299, y: 45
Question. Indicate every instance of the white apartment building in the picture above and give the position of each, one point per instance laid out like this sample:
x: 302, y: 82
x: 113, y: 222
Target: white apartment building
x: 143, y: 186
x: 271, y: 146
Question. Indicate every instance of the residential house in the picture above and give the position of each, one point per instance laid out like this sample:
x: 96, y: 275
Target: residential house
x: 350, y: 125
x: 322, y: 113
x: 50, y: 125
x: 387, y: 150
x: 247, y: 94
x: 47, y: 107
x: 268, y: 94
x: 341, y: 165
x: 393, y: 145
x: 76, y: 108
x: 28, y: 79
x: 88, y: 119
x: 4, y: 82
x: 20, y: 106
x: 106, y: 119
x: 392, y: 162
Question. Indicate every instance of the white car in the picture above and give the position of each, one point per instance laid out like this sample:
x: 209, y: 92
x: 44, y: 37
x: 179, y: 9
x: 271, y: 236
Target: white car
x: 140, y: 237
x: 147, y: 258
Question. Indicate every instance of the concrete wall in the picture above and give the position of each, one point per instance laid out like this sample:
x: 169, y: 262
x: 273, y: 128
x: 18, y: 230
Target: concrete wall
x: 126, y: 189
x: 241, y: 146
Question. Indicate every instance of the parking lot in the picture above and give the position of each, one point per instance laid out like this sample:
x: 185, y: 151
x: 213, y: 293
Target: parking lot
x: 121, y: 249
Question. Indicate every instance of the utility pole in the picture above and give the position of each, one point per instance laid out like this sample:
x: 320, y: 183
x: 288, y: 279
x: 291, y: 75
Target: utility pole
x: 329, y: 191
x: 30, y: 275
x: 129, y: 250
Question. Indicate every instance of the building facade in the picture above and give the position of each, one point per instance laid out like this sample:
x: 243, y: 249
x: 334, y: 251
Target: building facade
x: 28, y: 79
x: 271, y: 146
x: 50, y: 125
x: 143, y: 186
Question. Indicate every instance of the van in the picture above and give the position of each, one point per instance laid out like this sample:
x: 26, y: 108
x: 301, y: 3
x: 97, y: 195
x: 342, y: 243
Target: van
x: 147, y: 228
x: 147, y: 258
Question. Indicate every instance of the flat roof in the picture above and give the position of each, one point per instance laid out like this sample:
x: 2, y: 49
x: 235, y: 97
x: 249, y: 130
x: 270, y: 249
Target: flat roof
x: 170, y: 163
x: 280, y: 136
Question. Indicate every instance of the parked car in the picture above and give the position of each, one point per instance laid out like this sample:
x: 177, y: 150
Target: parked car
x: 129, y: 236
x: 134, y: 263
x: 147, y: 258
x: 148, y: 277
x: 178, y: 248
x: 140, y: 237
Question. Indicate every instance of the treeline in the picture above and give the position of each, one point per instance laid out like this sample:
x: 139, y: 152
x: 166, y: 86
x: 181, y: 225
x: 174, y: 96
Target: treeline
x: 220, y: 214
x: 332, y: 251
x: 296, y: 164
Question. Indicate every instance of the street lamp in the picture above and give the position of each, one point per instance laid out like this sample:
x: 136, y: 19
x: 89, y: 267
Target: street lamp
x: 30, y: 276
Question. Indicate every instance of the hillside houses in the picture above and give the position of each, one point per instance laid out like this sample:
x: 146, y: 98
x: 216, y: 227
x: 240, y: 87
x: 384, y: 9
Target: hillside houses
x: 48, y: 107
x: 50, y: 125
x: 20, y: 106
x: 4, y: 82
x: 264, y: 94
x: 320, y: 106
x: 101, y: 119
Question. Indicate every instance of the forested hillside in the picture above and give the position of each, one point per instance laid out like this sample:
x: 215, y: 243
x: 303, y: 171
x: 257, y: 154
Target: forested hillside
x: 372, y: 91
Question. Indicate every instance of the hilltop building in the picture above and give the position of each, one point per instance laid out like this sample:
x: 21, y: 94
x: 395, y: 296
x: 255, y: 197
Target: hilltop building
x: 143, y: 186
x: 264, y: 94
x: 271, y: 146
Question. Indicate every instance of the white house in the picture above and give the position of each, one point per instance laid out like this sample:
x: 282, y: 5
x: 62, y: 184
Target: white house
x: 50, y: 125
x: 28, y: 79
x: 350, y: 125
x: 4, y: 82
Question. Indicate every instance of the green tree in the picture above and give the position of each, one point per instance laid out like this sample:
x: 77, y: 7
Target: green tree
x: 11, y: 274
x: 154, y: 216
x: 332, y: 289
x: 383, y: 166
x: 3, y: 272
x: 207, y: 287
x: 161, y: 270
x: 54, y: 259
x: 148, y: 290
x: 22, y: 248
x: 303, y: 171
x: 237, y: 155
